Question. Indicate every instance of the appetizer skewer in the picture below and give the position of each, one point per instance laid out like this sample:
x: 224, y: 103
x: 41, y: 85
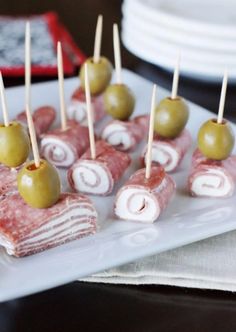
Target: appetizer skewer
x: 213, y: 171
x: 44, y: 116
x: 119, y: 99
x: 148, y: 191
x: 97, y: 171
x: 14, y: 141
x: 172, y: 140
x: 39, y: 217
x: 100, y: 72
x: 62, y: 146
x: 122, y: 133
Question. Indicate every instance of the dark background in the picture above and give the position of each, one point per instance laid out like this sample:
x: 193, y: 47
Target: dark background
x: 85, y: 307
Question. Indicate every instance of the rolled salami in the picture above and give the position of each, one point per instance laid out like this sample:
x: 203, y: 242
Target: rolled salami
x: 98, y: 176
x: 169, y: 152
x: 25, y: 230
x: 211, y: 178
x: 77, y: 107
x: 43, y: 118
x: 126, y: 135
x: 63, y: 148
x: 142, y: 199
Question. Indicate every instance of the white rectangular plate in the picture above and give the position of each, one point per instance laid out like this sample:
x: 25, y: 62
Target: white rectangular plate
x: 117, y: 242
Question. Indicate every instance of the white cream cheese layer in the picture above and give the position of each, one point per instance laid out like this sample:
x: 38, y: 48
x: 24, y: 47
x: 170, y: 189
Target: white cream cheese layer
x: 165, y: 155
x: 136, y: 204
x: 57, y: 152
x: 214, y: 183
x: 76, y: 110
x: 117, y: 134
x: 92, y: 177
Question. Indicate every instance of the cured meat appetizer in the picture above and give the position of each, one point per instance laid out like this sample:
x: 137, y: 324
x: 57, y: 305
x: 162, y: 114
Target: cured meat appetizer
x: 97, y: 171
x: 43, y: 118
x: 169, y: 152
x: 118, y: 98
x: 142, y: 199
x: 25, y: 230
x: 63, y: 147
x: 126, y: 135
x: 213, y: 171
x: 98, y: 176
x: 76, y: 109
x: 148, y: 191
x: 171, y: 140
x: 212, y: 178
x: 100, y: 72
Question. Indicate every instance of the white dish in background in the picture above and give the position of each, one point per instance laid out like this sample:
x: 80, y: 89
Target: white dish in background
x: 135, y: 20
x: 185, y: 220
x: 208, y: 17
x: 191, y: 54
x: 166, y: 60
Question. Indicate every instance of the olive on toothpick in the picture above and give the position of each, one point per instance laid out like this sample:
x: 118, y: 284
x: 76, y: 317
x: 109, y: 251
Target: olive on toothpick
x: 215, y: 137
x: 118, y: 98
x: 14, y: 141
x: 99, y: 67
x: 38, y: 181
x: 172, y: 112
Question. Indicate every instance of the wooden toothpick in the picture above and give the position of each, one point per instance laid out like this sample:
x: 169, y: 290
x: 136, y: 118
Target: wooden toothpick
x: 61, y: 86
x: 89, y: 114
x: 4, y: 103
x: 175, y: 79
x: 33, y: 137
x: 222, y: 98
x: 150, y: 134
x: 98, y: 38
x: 27, y: 64
x: 116, y: 45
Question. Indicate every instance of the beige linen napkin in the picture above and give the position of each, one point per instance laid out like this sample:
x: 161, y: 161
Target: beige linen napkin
x: 209, y: 264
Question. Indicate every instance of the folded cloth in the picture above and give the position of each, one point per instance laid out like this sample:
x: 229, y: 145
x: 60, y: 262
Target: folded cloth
x: 207, y: 264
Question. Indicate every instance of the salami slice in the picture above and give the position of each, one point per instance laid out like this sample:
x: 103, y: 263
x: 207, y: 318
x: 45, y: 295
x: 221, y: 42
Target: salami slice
x: 8, y: 181
x: 25, y: 231
x: 142, y: 199
x: 63, y: 148
x: 76, y: 109
x: 126, y: 135
x: 209, y: 178
x: 43, y: 118
x: 169, y: 152
x: 98, y: 176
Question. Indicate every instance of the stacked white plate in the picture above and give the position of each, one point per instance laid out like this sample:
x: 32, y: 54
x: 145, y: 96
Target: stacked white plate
x: 203, y: 31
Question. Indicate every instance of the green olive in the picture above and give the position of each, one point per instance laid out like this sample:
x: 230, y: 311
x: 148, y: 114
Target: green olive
x: 39, y: 187
x: 119, y: 101
x: 14, y: 144
x: 216, y: 140
x: 171, y: 116
x: 99, y: 75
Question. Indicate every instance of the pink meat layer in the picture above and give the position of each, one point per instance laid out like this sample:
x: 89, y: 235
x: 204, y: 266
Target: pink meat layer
x: 202, y: 166
x: 136, y: 129
x: 115, y: 162
x: 97, y: 106
x: 8, y: 182
x: 43, y: 118
x: 76, y: 137
x: 180, y: 144
x: 160, y: 185
x: 25, y: 230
